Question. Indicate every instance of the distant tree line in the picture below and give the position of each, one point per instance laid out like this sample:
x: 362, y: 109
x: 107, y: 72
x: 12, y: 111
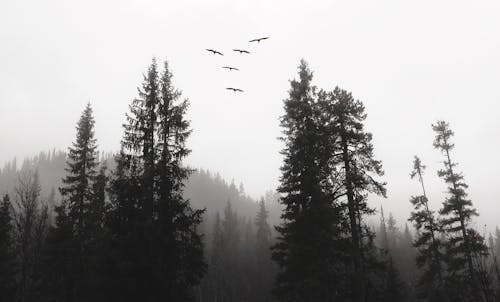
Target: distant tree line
x: 133, y: 226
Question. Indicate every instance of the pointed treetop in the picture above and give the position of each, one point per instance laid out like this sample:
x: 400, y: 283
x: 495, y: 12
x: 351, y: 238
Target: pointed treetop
x: 443, y: 136
x: 418, y: 168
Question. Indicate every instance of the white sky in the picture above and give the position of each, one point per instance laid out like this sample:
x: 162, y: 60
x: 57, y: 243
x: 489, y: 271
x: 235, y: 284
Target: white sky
x: 410, y: 62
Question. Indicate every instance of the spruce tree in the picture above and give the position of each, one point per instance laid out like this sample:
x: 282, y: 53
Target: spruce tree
x: 125, y: 243
x: 81, y: 171
x: 464, y: 243
x: 430, y: 257
x: 77, y: 192
x: 133, y: 195
x: 169, y: 262
x: 177, y: 221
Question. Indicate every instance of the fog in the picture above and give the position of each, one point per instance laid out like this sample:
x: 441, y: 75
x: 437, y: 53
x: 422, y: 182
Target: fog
x: 410, y: 63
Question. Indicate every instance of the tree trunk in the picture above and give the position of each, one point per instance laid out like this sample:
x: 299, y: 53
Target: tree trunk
x: 359, y: 283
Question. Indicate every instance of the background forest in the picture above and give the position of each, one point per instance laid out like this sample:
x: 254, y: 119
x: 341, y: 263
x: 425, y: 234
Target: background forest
x: 139, y: 225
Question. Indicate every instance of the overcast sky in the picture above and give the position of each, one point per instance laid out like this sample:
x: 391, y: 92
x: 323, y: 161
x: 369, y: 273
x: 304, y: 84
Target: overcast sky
x: 410, y: 62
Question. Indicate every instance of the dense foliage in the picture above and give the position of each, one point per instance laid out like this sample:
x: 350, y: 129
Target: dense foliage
x: 140, y: 225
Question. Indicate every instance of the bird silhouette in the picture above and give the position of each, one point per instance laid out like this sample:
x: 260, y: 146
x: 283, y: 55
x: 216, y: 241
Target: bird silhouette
x: 234, y: 89
x: 215, y: 52
x: 259, y: 39
x: 230, y: 68
x: 241, y: 51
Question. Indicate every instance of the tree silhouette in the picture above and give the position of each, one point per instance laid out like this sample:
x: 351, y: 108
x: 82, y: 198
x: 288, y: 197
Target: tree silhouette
x: 306, y: 251
x: 154, y: 225
x: 464, y: 243
x: 355, y: 159
x: 430, y: 257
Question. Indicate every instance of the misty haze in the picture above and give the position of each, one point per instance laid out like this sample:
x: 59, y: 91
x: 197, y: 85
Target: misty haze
x: 232, y: 151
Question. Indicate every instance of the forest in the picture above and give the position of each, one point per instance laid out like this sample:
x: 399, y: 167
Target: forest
x: 139, y: 224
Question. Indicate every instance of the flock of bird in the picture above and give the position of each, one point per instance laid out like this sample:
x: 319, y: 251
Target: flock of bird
x: 241, y: 51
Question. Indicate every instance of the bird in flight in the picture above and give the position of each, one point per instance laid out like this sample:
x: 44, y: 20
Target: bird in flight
x: 259, y: 39
x: 230, y: 68
x: 241, y: 51
x: 215, y: 52
x: 234, y: 89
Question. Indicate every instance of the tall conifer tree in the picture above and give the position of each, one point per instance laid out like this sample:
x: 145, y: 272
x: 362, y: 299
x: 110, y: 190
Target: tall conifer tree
x: 353, y: 156
x: 78, y: 195
x: 307, y: 248
x: 430, y: 257
x: 464, y: 243
x: 81, y: 172
x: 154, y: 215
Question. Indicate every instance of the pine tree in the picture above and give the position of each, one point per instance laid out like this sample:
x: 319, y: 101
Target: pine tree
x: 7, y: 258
x: 464, y: 243
x: 355, y: 159
x: 430, y: 257
x: 306, y: 251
